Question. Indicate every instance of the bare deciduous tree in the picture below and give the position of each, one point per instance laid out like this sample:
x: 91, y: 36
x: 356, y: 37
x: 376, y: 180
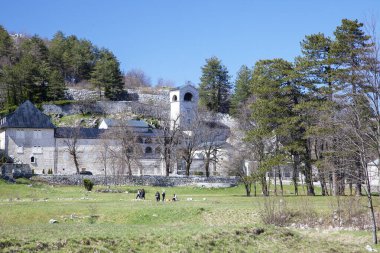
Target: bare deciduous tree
x: 72, y: 135
x: 136, y: 78
x: 167, y: 141
x: 127, y: 149
x: 213, y: 135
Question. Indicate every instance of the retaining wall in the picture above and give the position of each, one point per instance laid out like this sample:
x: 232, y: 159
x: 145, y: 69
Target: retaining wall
x: 140, y: 180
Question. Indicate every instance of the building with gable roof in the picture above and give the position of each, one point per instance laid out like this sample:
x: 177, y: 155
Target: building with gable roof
x: 29, y: 137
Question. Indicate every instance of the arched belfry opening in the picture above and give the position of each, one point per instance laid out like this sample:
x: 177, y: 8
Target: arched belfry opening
x: 174, y: 98
x: 188, y: 97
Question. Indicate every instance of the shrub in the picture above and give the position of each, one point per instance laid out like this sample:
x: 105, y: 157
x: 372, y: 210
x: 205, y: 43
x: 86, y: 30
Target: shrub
x: 43, y: 171
x: 88, y: 184
x: 198, y: 173
x: 275, y: 212
x: 22, y: 180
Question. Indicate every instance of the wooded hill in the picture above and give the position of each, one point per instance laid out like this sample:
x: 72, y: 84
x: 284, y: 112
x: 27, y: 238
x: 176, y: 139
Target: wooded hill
x: 39, y: 70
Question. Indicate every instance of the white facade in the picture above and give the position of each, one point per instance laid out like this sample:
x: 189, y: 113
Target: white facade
x: 183, y: 106
x: 30, y: 146
x: 45, y: 148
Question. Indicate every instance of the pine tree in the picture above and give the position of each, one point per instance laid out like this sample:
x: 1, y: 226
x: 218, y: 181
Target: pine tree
x: 107, y: 76
x: 242, y: 89
x: 214, y: 89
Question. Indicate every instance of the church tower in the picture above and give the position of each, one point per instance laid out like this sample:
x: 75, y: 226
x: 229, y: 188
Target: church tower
x: 183, y: 106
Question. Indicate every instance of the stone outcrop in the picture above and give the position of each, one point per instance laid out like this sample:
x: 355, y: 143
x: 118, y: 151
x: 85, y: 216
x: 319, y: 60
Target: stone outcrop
x: 140, y: 180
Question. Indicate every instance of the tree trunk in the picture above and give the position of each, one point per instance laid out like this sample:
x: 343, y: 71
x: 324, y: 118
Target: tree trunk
x: 248, y: 189
x: 275, y: 181
x: 295, y: 173
x: 254, y: 188
x: 264, y: 185
x: 323, y: 184
x: 280, y: 180
x: 76, y: 162
x: 129, y: 169
x: 167, y: 159
x: 167, y: 167
x: 358, y: 185
x: 373, y: 218
x: 188, y: 165
x: 207, y: 165
x: 308, y: 173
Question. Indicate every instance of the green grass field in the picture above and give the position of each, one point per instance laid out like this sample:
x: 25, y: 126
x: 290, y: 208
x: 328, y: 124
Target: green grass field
x: 214, y: 220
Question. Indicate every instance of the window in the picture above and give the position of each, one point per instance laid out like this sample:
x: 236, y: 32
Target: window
x: 148, y: 150
x: 20, y: 134
x: 37, y: 150
x: 37, y: 134
x: 175, y: 98
x: 20, y: 150
x: 188, y: 97
x: 148, y: 140
x: 32, y: 159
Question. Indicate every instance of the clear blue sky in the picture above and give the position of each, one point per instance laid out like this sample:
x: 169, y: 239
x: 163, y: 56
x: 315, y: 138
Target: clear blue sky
x: 171, y: 39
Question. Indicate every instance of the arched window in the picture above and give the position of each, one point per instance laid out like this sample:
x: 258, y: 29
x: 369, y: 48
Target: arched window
x: 139, y: 140
x: 188, y: 96
x: 32, y: 159
x: 175, y: 98
x: 148, y: 150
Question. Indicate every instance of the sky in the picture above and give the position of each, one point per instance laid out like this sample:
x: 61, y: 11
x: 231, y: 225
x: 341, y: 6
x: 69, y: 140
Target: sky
x: 171, y: 39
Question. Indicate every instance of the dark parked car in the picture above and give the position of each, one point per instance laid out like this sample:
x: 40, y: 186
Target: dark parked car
x: 85, y: 172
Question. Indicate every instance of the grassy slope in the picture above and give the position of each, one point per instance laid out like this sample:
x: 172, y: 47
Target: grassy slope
x: 219, y: 220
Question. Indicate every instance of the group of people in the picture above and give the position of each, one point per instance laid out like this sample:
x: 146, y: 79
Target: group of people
x: 141, y: 195
x: 158, y: 196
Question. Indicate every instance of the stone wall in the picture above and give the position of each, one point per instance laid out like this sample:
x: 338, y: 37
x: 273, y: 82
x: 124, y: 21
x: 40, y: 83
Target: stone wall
x: 82, y: 94
x: 99, y: 107
x: 140, y: 180
x: 153, y: 98
x: 147, y: 96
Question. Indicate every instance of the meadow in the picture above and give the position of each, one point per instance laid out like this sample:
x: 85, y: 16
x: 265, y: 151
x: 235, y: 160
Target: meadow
x: 203, y: 220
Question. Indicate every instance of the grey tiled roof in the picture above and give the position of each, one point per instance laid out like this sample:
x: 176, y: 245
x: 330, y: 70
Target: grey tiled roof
x: 82, y: 133
x: 129, y: 123
x: 113, y: 123
x: 137, y: 123
x: 26, y: 116
x: 182, y: 86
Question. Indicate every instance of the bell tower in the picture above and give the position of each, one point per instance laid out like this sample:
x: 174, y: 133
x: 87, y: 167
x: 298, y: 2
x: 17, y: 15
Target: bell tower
x: 183, y: 106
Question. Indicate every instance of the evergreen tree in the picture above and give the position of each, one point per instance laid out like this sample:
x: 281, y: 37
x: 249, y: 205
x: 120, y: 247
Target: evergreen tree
x: 276, y: 115
x: 242, y: 89
x: 57, y: 48
x: 6, y: 48
x: 107, y: 76
x: 214, y: 89
x: 56, y: 86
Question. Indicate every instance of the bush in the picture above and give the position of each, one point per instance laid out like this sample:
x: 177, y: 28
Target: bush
x: 88, y: 184
x: 22, y: 180
x: 198, y: 173
x: 275, y: 212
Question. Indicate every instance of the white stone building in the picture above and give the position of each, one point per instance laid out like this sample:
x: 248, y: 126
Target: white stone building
x: 28, y: 137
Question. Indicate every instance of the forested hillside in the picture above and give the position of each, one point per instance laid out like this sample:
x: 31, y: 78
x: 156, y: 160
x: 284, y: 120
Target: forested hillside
x: 39, y: 70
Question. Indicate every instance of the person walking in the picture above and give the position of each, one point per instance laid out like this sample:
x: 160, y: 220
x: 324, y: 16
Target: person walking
x: 157, y: 196
x: 163, y: 196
